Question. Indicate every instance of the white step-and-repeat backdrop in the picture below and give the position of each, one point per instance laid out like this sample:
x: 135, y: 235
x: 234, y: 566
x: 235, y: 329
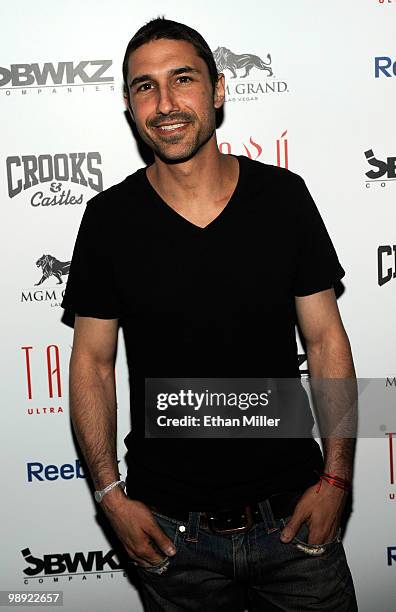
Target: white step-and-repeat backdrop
x: 326, y: 112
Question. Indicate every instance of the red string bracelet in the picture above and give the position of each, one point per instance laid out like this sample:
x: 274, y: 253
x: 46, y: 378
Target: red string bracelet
x: 335, y: 481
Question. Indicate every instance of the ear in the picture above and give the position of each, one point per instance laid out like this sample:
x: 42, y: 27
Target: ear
x: 219, y: 91
x: 128, y: 105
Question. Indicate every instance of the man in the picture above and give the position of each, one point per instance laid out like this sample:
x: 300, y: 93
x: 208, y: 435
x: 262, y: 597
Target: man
x: 208, y: 261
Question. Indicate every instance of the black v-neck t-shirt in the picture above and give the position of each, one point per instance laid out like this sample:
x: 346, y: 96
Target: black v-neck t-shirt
x: 207, y: 302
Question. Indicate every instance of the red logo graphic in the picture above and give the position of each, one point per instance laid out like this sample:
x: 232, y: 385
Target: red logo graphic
x: 282, y: 160
x: 253, y: 150
x: 52, y: 377
x: 391, y: 461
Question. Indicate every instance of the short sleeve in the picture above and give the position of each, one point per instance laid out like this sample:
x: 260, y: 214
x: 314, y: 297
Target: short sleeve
x: 317, y: 267
x: 90, y: 289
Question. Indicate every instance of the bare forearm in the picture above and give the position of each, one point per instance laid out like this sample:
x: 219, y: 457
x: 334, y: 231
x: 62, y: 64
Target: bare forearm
x: 94, y: 417
x: 333, y: 381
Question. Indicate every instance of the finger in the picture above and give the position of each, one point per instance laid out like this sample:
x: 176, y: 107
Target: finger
x: 146, y: 554
x: 161, y: 540
x: 135, y: 560
x: 291, y: 528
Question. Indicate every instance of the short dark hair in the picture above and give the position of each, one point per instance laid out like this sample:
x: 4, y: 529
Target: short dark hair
x: 165, y: 28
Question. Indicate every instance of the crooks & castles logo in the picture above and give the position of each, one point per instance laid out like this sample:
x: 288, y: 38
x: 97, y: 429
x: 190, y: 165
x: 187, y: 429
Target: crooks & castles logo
x: 56, y: 179
x: 251, y: 76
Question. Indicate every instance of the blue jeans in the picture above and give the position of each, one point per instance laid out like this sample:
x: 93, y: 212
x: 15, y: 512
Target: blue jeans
x: 253, y: 570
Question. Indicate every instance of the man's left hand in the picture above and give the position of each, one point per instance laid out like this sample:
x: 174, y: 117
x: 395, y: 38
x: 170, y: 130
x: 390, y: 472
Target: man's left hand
x: 320, y: 511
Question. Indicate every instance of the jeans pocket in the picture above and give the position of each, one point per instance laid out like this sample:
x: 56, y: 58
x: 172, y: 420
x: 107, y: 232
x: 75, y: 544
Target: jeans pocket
x: 157, y: 568
x: 300, y: 541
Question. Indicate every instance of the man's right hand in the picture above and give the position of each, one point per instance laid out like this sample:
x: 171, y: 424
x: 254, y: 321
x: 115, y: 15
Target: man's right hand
x: 136, y: 527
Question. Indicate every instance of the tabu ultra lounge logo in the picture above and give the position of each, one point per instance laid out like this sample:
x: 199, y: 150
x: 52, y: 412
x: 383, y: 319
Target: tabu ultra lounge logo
x: 51, y: 78
x: 392, y: 452
x: 55, y: 566
x: 47, y: 175
x: 251, y: 76
x: 391, y: 550
x: 42, y: 376
x: 391, y: 436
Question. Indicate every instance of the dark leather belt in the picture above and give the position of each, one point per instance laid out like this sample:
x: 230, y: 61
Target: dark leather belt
x: 239, y: 519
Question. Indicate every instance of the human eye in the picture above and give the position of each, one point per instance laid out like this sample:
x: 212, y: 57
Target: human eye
x: 184, y: 78
x: 144, y: 87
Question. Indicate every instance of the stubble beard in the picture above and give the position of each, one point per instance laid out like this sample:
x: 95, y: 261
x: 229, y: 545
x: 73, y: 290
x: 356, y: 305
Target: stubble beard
x: 165, y: 147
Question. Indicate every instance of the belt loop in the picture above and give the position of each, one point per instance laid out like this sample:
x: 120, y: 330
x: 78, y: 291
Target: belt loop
x: 266, y: 512
x: 193, y: 526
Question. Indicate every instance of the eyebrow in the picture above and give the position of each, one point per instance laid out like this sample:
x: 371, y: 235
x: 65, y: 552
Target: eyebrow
x: 173, y: 72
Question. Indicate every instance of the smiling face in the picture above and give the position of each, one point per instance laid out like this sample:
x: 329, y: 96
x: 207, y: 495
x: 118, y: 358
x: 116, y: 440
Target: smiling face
x: 171, y: 98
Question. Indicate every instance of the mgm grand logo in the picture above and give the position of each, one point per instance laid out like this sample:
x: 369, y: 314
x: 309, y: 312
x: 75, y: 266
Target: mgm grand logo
x: 56, y: 179
x: 51, y: 270
x: 244, y: 68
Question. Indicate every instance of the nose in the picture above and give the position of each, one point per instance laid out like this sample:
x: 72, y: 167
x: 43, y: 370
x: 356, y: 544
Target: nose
x: 166, y: 101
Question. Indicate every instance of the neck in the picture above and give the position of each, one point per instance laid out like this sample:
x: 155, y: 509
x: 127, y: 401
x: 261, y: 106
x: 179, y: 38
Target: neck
x: 204, y: 176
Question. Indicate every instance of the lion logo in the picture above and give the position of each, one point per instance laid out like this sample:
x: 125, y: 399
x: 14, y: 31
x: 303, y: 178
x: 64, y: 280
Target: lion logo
x: 52, y: 267
x: 225, y: 58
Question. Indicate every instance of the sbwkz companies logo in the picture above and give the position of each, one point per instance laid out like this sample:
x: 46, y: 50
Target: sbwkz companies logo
x: 384, y: 66
x: 386, y: 263
x: 41, y: 377
x: 382, y: 172
x: 53, y: 273
x: 47, y: 174
x: 245, y: 68
x: 54, y: 566
x: 49, y: 77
